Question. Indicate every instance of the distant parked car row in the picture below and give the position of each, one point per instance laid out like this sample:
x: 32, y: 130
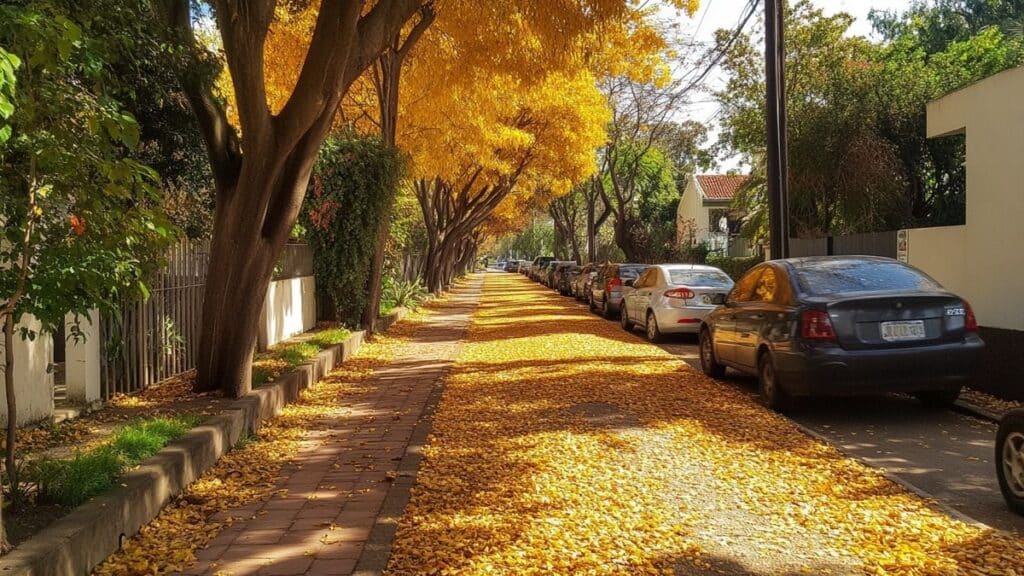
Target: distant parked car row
x: 827, y: 326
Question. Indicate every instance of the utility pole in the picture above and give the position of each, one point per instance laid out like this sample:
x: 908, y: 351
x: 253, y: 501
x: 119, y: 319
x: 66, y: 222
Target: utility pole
x: 778, y: 163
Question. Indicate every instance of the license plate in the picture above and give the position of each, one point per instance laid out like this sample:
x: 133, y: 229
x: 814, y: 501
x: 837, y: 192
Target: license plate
x: 898, y: 331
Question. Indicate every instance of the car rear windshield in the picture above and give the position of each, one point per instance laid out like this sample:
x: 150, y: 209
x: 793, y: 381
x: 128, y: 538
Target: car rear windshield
x: 709, y: 278
x: 837, y: 276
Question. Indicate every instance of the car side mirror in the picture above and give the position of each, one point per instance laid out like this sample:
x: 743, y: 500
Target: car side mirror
x: 718, y: 300
x: 629, y: 283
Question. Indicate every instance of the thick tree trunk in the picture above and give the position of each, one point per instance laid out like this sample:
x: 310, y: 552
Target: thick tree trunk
x: 242, y: 261
x: 12, y: 412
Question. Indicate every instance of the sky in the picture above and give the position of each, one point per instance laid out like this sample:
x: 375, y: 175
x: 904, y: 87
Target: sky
x: 715, y: 14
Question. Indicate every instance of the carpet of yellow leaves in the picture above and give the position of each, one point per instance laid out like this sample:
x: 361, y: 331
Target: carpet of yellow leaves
x: 559, y: 436
x: 249, y: 473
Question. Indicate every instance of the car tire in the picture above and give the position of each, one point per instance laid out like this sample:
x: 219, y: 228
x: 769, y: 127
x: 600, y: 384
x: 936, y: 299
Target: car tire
x: 654, y: 334
x: 708, y: 363
x: 606, y: 310
x: 938, y: 399
x: 769, y: 388
x: 624, y: 320
x: 1010, y: 461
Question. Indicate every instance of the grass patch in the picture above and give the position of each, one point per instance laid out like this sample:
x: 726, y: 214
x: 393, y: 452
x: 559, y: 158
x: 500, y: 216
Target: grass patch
x: 295, y: 354
x: 72, y: 482
x: 330, y: 337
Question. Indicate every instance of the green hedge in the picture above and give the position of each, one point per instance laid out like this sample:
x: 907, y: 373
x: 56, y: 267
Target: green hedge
x: 734, y: 267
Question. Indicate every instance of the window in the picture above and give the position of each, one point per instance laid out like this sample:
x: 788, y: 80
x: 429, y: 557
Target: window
x: 833, y: 276
x: 630, y: 272
x: 745, y: 287
x: 702, y: 278
x: 646, y: 280
x: 767, y: 286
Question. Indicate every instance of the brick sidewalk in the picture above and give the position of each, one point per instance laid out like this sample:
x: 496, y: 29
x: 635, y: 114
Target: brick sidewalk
x: 351, y: 481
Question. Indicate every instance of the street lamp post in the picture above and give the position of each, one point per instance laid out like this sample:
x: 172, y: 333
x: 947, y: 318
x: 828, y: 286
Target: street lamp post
x: 775, y: 110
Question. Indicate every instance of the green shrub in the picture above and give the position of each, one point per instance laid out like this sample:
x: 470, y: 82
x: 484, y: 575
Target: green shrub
x: 402, y: 294
x: 353, y: 187
x: 330, y: 337
x: 734, y: 267
x: 72, y: 482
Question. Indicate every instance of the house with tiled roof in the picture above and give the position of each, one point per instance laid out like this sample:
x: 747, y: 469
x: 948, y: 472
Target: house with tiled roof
x: 705, y: 214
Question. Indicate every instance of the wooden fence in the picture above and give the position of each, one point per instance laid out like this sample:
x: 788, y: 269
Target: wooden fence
x: 873, y: 244
x: 151, y: 340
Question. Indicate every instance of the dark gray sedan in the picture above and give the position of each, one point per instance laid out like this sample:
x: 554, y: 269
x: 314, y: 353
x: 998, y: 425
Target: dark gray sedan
x: 843, y: 325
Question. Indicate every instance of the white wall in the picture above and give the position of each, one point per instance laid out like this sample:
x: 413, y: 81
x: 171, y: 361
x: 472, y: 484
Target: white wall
x: 290, y: 309
x: 987, y: 249
x: 692, y: 216
x: 82, y: 360
x: 32, y: 380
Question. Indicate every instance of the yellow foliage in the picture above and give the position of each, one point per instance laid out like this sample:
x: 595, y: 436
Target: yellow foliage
x: 492, y: 85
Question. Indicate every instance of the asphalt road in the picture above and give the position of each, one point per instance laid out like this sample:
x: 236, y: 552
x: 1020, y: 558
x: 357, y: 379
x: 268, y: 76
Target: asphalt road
x: 942, y: 453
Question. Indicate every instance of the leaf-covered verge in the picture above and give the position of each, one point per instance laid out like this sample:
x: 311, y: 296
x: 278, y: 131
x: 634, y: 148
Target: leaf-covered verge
x: 248, y: 474
x: 563, y: 445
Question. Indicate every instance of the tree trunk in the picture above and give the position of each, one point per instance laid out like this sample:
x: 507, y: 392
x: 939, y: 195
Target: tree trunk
x: 12, y: 411
x: 241, y: 265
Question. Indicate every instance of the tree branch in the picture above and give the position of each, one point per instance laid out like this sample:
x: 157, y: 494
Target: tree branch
x: 222, y: 142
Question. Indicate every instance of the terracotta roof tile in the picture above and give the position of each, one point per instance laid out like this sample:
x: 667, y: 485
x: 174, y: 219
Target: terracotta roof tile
x: 720, y: 187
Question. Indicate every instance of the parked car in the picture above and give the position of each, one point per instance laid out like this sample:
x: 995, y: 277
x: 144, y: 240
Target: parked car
x: 843, y: 325
x: 511, y: 266
x: 606, y: 289
x: 555, y: 272
x: 1010, y: 459
x: 538, y: 263
x: 672, y: 298
x: 566, y: 275
x: 581, y: 283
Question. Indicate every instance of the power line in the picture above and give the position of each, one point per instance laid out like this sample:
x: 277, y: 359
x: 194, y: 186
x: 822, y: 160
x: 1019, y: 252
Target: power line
x: 751, y: 9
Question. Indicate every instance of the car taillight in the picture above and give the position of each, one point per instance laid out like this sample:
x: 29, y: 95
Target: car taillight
x: 614, y: 282
x: 970, y: 321
x: 684, y: 293
x: 816, y: 325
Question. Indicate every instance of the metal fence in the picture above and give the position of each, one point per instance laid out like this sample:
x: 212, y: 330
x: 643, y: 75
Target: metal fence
x: 151, y: 340
x: 873, y: 244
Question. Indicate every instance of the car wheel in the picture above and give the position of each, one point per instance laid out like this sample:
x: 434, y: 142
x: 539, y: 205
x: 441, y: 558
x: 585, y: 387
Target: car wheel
x: 1010, y: 461
x: 938, y: 398
x: 651, y: 327
x: 768, y: 385
x: 708, y: 363
x: 606, y: 310
x: 624, y: 320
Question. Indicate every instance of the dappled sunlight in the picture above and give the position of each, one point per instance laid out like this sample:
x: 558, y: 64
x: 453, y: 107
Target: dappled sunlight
x: 228, y: 492
x: 566, y: 445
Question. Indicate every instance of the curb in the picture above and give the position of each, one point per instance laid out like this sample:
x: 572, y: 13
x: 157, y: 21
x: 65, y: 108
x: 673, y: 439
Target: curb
x: 965, y: 407
x: 78, y: 542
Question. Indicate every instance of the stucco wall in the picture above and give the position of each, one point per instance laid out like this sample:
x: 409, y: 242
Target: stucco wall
x: 290, y: 309
x: 692, y: 212
x: 33, y: 383
x: 991, y: 114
